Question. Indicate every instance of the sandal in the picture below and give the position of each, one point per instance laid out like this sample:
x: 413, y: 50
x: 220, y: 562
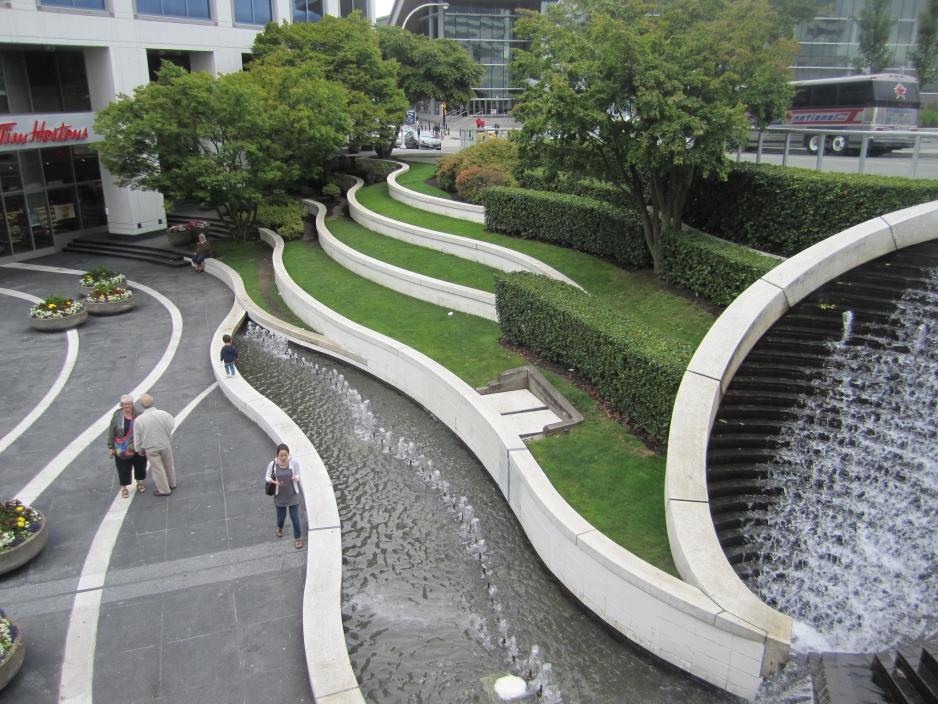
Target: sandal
x: 298, y: 543
x: 141, y: 488
x: 280, y: 532
x: 124, y: 493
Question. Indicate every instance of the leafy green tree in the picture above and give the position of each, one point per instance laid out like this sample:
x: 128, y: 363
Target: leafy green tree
x: 925, y: 56
x: 876, y: 23
x: 230, y: 141
x: 646, y: 96
x: 345, y: 50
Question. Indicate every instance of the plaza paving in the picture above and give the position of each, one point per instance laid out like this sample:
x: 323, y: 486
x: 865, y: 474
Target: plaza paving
x: 197, y: 600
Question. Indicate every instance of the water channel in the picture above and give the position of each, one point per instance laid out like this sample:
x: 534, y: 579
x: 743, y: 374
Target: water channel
x: 441, y: 589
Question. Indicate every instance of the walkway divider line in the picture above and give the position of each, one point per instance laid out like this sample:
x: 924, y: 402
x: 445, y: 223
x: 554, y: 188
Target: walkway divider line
x: 77, y: 680
x: 54, y: 468
x: 71, y: 354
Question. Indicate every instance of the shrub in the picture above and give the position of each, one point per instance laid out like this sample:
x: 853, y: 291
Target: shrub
x: 285, y: 217
x: 472, y: 181
x: 374, y: 170
x: 635, y: 370
x: 539, y: 179
x: 582, y: 223
x: 498, y: 154
x: 783, y: 210
x: 711, y: 267
x: 332, y: 190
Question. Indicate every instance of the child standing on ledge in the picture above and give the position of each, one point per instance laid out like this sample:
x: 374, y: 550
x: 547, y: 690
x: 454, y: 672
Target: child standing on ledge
x: 229, y: 355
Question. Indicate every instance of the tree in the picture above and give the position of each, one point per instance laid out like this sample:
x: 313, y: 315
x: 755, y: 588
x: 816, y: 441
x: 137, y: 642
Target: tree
x: 430, y: 68
x: 876, y: 23
x: 647, y: 96
x: 345, y: 50
x: 230, y: 141
x: 925, y: 56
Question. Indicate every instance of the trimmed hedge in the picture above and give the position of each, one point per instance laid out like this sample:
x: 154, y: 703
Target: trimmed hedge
x: 711, y: 267
x: 286, y: 218
x: 374, y: 170
x: 573, y: 221
x: 635, y: 370
x: 783, y: 210
x: 538, y: 179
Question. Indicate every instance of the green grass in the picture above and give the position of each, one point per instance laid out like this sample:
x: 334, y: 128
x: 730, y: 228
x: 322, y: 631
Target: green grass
x: 421, y: 260
x: 636, y: 295
x: 416, y: 180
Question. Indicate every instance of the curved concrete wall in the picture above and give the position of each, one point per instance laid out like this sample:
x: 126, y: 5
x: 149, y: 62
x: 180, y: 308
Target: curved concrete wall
x: 432, y: 204
x: 694, y: 545
x: 425, y: 288
x: 330, y: 671
x: 670, y: 618
x: 492, y: 255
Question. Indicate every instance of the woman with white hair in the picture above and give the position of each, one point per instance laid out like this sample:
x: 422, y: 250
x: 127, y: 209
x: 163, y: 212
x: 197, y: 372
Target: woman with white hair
x: 120, y: 445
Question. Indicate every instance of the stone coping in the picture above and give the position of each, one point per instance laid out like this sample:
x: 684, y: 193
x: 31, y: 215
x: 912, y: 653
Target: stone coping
x: 493, y: 255
x: 328, y: 666
x: 432, y: 204
x: 425, y: 288
x: 528, y: 377
x: 671, y: 618
x: 694, y: 544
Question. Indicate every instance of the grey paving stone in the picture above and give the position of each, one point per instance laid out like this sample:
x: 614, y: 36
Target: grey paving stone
x: 198, y: 611
x: 128, y: 625
x: 270, y: 596
x: 274, y: 645
x: 208, y: 504
x: 289, y: 690
x: 253, y: 528
x: 225, y: 693
x: 243, y: 502
x: 147, y: 513
x: 204, y: 661
x: 127, y: 675
x: 136, y: 549
x: 199, y: 539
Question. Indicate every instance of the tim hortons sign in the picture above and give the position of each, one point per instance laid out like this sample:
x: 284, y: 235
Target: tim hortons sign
x: 36, y: 131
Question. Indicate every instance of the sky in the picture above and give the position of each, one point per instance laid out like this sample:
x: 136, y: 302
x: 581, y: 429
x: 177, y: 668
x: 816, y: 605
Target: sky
x: 383, y: 7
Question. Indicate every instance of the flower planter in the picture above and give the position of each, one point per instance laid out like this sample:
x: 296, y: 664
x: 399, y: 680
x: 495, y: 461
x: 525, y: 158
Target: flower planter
x: 12, y: 663
x: 108, y: 307
x: 55, y: 324
x: 25, y: 551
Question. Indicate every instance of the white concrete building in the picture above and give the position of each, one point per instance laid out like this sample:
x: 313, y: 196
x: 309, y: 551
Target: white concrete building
x: 62, y: 60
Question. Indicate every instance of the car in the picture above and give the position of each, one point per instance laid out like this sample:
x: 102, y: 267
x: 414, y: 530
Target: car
x: 426, y: 140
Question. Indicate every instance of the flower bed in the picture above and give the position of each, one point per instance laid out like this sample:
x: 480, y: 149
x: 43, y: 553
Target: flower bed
x: 109, y: 300
x: 100, y: 275
x: 12, y: 649
x: 185, y: 233
x: 23, y: 534
x: 57, y: 313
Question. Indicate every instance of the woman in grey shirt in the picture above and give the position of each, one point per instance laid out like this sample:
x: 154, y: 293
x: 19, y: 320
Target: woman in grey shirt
x: 284, y: 473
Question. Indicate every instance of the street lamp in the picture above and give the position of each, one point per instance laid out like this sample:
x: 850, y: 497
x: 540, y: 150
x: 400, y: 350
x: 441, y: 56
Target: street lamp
x: 443, y: 5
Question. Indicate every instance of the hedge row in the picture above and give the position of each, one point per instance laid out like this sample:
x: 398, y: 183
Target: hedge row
x: 635, y: 370
x: 783, y: 210
x: 711, y: 267
x: 573, y: 221
x: 539, y: 180
x: 373, y: 170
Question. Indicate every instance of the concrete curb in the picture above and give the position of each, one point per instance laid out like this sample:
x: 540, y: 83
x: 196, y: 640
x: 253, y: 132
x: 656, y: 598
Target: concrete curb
x: 425, y: 288
x: 501, y: 258
x: 697, y: 552
x: 328, y: 666
x: 432, y: 204
x: 670, y: 618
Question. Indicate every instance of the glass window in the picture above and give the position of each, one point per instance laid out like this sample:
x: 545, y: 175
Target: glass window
x: 14, y: 82
x: 252, y: 11
x: 6, y: 249
x: 43, y: 81
x: 86, y: 164
x: 194, y: 9
x: 10, y: 173
x: 17, y: 223
x: 91, y: 205
x: 40, y: 220
x: 31, y: 169
x: 81, y: 4
x: 307, y: 10
x: 57, y: 166
x: 63, y: 208
x: 75, y: 95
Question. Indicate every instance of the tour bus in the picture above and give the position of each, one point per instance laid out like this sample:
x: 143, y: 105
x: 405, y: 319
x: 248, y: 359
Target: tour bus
x: 880, y: 101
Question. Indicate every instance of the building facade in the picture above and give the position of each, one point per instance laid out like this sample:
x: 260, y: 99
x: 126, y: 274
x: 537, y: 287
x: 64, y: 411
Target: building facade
x: 63, y: 60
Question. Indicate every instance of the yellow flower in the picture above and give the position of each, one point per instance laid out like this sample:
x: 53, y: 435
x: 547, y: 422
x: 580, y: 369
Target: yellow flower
x: 20, y: 509
x: 52, y: 306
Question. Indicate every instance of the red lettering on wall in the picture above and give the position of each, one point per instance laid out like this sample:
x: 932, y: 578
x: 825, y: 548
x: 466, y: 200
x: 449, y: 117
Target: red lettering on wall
x: 63, y: 133
x: 8, y: 136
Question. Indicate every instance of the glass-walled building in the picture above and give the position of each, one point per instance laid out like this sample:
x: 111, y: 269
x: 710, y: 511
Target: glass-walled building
x: 61, y: 61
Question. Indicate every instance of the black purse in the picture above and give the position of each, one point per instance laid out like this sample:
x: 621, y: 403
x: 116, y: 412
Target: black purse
x: 271, y: 489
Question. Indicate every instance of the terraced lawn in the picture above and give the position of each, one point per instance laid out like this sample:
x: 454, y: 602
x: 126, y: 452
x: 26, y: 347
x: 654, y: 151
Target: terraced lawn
x: 416, y: 180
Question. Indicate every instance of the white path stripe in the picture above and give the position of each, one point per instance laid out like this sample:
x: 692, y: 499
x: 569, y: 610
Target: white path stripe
x: 71, y: 355
x: 77, y: 680
x: 51, y: 471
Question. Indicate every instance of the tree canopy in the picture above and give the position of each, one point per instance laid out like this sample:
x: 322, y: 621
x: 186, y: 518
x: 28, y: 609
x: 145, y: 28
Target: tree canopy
x: 925, y: 56
x: 230, y: 141
x: 345, y: 50
x: 876, y: 23
x: 647, y: 95
x: 430, y: 68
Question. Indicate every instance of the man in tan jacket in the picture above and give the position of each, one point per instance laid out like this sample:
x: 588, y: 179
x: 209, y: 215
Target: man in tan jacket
x: 153, y: 431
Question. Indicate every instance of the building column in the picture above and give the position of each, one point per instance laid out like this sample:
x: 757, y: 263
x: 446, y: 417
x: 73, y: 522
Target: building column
x: 331, y: 7
x: 216, y: 62
x: 112, y: 71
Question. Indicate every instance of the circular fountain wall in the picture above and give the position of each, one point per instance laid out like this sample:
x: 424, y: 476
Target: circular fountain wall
x: 441, y: 590
x: 823, y: 460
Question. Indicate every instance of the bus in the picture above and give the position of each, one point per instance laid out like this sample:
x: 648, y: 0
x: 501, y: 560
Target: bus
x: 879, y: 101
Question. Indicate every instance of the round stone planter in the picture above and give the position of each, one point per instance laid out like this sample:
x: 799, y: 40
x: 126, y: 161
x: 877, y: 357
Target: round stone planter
x: 12, y: 663
x: 24, y: 552
x: 56, y: 324
x: 109, y: 307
